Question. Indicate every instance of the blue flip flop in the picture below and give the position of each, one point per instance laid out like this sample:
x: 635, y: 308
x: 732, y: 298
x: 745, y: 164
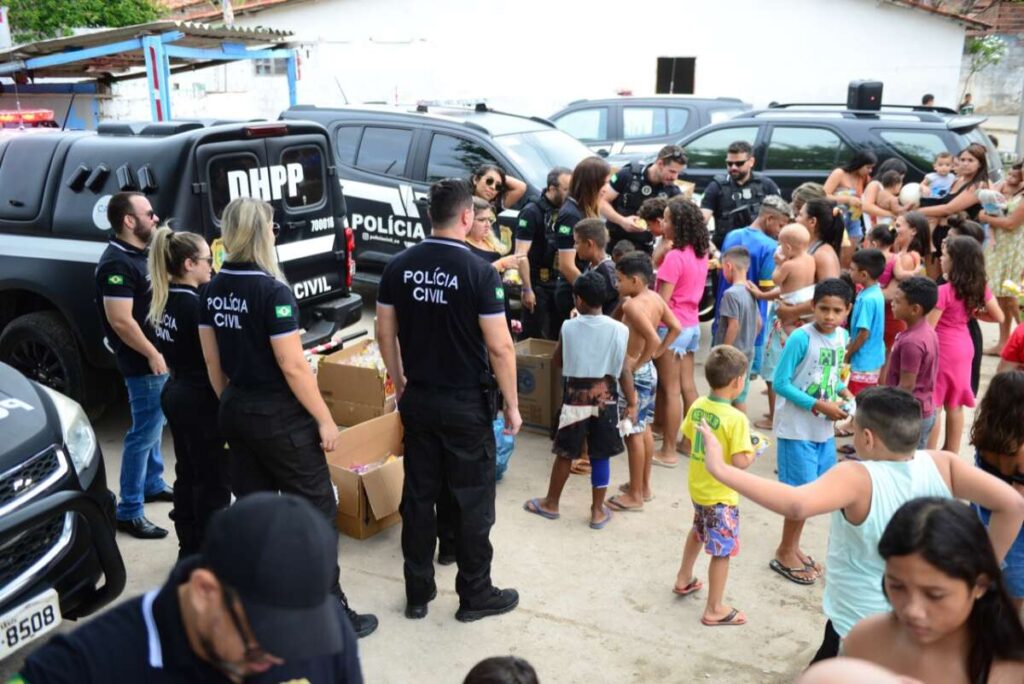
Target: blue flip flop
x: 533, y: 506
x: 599, y: 525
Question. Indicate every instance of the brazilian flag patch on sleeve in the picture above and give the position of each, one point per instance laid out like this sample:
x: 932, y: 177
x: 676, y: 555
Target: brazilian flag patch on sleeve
x: 523, y: 223
x: 499, y: 294
x: 564, y: 230
x: 614, y: 178
x: 115, y: 279
x: 283, y: 311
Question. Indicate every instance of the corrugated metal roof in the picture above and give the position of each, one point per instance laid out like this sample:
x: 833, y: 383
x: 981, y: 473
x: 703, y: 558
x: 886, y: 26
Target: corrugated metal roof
x: 196, y: 35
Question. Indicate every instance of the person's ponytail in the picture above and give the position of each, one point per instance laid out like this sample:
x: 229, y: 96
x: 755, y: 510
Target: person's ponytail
x: 159, y: 275
x: 167, y: 254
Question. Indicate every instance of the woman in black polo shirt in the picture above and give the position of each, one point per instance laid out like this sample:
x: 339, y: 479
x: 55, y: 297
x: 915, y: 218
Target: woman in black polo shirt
x: 275, y: 421
x: 180, y: 266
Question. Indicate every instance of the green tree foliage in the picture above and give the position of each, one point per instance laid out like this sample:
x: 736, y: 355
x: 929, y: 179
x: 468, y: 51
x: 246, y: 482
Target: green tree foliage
x: 984, y: 52
x: 40, y: 19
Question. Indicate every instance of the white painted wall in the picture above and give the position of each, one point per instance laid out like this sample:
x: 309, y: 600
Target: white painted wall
x: 544, y: 54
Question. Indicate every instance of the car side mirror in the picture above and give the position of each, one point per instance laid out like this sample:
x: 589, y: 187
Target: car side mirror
x: 602, y: 152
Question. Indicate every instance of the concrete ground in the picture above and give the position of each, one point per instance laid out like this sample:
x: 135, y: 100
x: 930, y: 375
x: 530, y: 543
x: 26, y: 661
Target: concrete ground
x: 596, y: 606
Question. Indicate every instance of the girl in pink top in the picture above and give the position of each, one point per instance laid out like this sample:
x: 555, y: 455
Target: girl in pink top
x: 680, y: 282
x: 964, y: 293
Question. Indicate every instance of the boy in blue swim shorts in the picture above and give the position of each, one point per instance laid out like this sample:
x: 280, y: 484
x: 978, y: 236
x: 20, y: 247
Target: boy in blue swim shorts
x: 811, y: 396
x: 642, y: 311
x: 716, y: 515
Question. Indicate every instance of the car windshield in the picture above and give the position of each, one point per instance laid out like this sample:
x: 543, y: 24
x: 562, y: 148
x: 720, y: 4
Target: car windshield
x: 537, y: 152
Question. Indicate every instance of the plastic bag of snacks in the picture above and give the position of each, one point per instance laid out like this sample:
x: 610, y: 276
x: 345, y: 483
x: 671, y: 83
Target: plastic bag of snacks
x: 506, y: 444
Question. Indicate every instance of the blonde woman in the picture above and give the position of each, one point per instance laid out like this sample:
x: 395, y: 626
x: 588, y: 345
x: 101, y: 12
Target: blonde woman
x: 180, y: 265
x: 483, y: 243
x: 271, y: 412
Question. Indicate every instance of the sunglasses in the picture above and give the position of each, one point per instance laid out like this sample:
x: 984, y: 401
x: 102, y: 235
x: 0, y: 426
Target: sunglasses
x: 737, y: 164
x: 254, y: 653
x: 208, y: 259
x: 275, y: 229
x: 149, y: 214
x: 492, y: 182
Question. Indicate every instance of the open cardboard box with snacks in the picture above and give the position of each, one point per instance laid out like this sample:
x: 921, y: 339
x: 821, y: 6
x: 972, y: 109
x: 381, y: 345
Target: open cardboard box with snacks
x: 366, y: 466
x: 355, y: 385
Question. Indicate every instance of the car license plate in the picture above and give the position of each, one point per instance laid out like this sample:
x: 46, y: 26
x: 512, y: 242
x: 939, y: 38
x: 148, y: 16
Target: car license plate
x: 29, y: 621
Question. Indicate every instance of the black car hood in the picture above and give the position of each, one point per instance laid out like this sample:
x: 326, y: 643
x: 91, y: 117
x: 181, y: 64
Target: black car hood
x: 28, y: 422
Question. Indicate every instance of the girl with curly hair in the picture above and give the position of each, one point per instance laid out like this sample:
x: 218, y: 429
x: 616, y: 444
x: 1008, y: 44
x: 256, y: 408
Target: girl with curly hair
x: 998, y: 440
x: 962, y: 295
x: 680, y: 282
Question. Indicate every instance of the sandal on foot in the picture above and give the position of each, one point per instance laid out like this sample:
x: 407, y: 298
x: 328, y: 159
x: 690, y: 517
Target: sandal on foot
x: 617, y: 505
x: 533, y: 506
x: 664, y: 464
x: 732, y: 619
x: 607, y: 518
x: 624, y: 488
x: 841, y: 433
x: 763, y: 424
x: 847, y: 450
x: 694, y: 585
x: 790, y: 573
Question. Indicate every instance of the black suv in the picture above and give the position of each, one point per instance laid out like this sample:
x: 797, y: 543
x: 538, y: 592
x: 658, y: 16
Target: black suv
x: 54, y: 189
x: 388, y: 156
x: 56, y: 514
x: 798, y: 143
x: 624, y: 129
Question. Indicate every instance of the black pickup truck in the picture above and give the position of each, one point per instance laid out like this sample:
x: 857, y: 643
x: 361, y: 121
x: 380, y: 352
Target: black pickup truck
x: 54, y: 190
x: 56, y: 514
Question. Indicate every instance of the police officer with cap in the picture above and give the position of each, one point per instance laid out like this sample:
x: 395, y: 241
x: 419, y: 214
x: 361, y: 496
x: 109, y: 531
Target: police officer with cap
x: 271, y: 412
x: 253, y: 605
x: 734, y: 199
x: 442, y: 332
x: 630, y: 186
x: 536, y: 238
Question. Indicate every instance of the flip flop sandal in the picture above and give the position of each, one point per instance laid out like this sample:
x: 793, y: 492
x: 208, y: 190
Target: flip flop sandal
x: 764, y: 424
x: 733, y: 619
x: 847, y: 450
x: 790, y: 573
x: 608, y: 517
x: 664, y: 464
x: 843, y: 433
x: 615, y: 505
x: 812, y: 564
x: 694, y: 586
x: 624, y: 488
x: 533, y: 506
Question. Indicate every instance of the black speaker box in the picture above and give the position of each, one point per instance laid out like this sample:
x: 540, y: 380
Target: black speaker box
x: 865, y: 95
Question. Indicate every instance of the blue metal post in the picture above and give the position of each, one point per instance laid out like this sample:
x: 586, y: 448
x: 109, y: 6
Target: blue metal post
x: 293, y: 78
x: 156, y: 78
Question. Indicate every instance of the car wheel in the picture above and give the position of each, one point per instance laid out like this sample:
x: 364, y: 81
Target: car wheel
x: 41, y: 346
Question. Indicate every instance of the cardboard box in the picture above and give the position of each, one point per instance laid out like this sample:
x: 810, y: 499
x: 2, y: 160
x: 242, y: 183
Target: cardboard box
x: 540, y: 384
x: 368, y: 502
x: 354, y: 394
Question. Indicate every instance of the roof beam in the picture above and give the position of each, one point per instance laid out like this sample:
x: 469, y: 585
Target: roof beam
x: 182, y: 52
x: 70, y: 56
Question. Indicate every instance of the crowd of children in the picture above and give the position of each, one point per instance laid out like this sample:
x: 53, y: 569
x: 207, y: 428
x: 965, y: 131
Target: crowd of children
x: 882, y: 350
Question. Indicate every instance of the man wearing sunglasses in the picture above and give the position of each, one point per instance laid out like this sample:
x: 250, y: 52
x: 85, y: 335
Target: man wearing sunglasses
x: 734, y: 199
x: 630, y: 186
x: 123, y: 295
x: 253, y: 605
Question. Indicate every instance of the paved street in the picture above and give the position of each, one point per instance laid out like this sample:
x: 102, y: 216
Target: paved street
x: 596, y: 605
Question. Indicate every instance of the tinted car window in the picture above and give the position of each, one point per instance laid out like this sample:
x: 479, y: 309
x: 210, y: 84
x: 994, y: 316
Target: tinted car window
x: 918, y: 147
x: 452, y: 157
x: 220, y: 189
x: 677, y: 118
x: 347, y: 143
x: 537, y: 152
x: 800, y: 149
x: 642, y: 122
x: 708, y: 151
x: 310, y: 190
x: 384, y: 150
x: 586, y: 124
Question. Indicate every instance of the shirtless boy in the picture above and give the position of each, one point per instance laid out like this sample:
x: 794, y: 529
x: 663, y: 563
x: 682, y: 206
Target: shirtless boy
x: 642, y: 311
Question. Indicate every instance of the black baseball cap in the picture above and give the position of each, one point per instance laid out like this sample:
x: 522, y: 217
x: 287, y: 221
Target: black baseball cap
x: 280, y: 555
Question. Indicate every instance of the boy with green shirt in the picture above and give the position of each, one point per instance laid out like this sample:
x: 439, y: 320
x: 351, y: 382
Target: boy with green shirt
x: 716, y: 517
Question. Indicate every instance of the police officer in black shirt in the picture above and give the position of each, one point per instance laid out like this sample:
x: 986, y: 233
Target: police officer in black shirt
x: 253, y: 605
x: 271, y: 412
x: 442, y: 332
x: 634, y: 183
x: 180, y: 264
x: 734, y: 199
x: 535, y: 237
x: 123, y: 296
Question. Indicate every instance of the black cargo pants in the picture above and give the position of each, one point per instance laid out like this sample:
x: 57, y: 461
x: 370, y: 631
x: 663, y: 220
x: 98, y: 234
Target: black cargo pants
x: 201, y: 461
x: 275, y: 447
x: 545, y: 321
x: 449, y: 440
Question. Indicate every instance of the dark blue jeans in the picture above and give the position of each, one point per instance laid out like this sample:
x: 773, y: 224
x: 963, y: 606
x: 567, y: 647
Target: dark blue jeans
x: 142, y: 465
